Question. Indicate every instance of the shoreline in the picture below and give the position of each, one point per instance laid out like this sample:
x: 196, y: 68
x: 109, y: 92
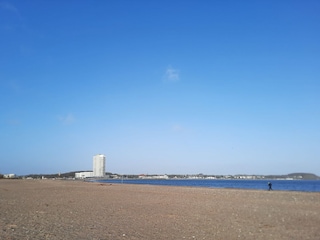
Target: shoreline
x: 279, y: 185
x: 63, y: 209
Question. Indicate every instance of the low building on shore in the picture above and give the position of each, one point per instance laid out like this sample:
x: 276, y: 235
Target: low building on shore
x: 153, y: 176
x: 83, y: 175
x: 11, y: 175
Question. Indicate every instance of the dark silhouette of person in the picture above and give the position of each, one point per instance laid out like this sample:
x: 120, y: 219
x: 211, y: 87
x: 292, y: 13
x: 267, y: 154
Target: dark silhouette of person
x: 270, y: 186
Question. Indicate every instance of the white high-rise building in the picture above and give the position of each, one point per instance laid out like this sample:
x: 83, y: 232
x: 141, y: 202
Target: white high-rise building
x: 99, y: 165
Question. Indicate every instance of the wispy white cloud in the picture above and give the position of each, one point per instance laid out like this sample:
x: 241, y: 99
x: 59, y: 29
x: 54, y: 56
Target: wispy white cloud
x: 67, y: 119
x: 25, y: 50
x: 177, y: 128
x: 172, y: 74
x: 15, y: 22
x: 6, y: 6
x: 15, y: 86
x: 13, y: 122
x: 9, y: 7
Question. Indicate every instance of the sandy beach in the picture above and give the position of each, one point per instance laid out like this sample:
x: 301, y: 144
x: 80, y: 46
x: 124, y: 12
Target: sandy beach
x: 66, y: 209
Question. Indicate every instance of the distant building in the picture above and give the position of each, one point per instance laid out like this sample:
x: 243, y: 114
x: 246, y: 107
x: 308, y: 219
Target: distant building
x: 83, y: 175
x: 153, y: 176
x: 11, y: 175
x: 99, y: 165
x: 99, y: 168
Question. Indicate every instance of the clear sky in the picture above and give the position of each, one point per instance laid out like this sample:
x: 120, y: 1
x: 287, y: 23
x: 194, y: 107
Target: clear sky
x: 160, y: 87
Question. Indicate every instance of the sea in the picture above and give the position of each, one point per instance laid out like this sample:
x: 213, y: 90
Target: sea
x: 277, y: 185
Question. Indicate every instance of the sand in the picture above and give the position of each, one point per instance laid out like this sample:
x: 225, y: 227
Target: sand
x: 66, y: 209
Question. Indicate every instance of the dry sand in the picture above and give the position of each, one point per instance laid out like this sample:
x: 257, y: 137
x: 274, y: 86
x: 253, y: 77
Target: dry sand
x: 62, y: 209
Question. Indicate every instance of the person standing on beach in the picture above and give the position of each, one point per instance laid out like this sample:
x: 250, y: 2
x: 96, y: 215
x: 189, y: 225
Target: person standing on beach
x: 270, y: 186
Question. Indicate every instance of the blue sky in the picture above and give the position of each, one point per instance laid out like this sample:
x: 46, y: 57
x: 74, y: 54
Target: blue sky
x: 213, y: 87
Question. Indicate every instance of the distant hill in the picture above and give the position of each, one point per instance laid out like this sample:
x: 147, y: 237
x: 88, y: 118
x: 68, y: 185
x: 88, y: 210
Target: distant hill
x: 306, y: 176
x: 302, y: 176
x: 56, y: 175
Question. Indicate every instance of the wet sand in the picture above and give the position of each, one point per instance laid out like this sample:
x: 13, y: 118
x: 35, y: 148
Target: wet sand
x: 66, y: 209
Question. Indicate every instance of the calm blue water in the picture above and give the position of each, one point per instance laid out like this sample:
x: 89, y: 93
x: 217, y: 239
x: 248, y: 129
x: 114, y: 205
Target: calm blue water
x: 283, y: 185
